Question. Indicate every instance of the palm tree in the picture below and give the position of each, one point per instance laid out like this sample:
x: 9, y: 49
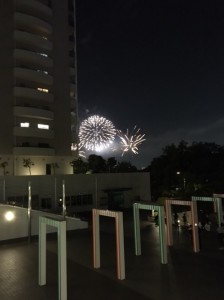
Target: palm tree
x: 27, y: 163
x: 3, y: 165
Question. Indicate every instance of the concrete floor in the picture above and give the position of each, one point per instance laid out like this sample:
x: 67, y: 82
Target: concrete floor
x: 186, y: 276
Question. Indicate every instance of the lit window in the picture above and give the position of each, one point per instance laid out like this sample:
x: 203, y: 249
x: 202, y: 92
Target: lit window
x: 42, y: 90
x: 25, y: 124
x: 43, y: 54
x: 45, y: 72
x: 43, y: 126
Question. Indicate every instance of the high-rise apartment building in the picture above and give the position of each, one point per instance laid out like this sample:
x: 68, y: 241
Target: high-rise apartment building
x: 38, y: 114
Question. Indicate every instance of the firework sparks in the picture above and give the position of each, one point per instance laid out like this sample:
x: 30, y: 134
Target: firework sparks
x: 131, y: 142
x: 96, y: 133
x: 79, y: 149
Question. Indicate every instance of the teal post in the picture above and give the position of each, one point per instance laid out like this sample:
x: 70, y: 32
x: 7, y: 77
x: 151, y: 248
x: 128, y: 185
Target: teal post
x: 162, y: 235
x: 62, y: 260
x: 219, y: 210
x: 137, y: 229
x: 217, y: 200
x: 162, y: 231
x: 42, y: 253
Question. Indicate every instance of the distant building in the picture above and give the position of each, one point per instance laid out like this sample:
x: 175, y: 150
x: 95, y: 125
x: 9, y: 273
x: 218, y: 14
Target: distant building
x: 38, y: 115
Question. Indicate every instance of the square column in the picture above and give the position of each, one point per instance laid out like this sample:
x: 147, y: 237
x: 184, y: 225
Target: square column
x: 217, y: 201
x: 162, y: 232
x: 194, y: 215
x: 62, y: 261
x: 219, y: 207
x: 119, y: 239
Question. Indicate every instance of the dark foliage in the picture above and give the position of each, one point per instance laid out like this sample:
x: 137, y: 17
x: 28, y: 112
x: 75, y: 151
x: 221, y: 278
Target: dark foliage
x: 96, y: 164
x: 187, y: 170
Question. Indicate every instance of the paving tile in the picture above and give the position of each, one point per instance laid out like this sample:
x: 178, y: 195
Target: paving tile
x: 187, y: 275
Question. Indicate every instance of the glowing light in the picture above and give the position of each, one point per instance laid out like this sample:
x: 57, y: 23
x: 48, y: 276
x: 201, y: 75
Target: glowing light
x: 25, y: 124
x: 131, y: 142
x: 9, y: 216
x: 43, y: 90
x: 96, y: 133
x: 43, y: 126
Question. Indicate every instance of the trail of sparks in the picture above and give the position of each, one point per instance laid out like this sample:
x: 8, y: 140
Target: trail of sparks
x: 131, y: 142
x: 79, y: 149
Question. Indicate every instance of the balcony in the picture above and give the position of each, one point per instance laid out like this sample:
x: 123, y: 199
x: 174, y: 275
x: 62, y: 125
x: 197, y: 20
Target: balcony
x: 32, y: 112
x: 28, y: 93
x: 34, y: 7
x: 33, y: 76
x: 31, y: 41
x: 37, y: 151
x: 72, y: 90
x: 28, y: 23
x: 72, y: 71
x: 73, y: 103
x: 33, y: 132
x: 33, y: 58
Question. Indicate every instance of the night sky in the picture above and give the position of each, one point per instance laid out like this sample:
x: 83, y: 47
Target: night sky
x: 155, y: 64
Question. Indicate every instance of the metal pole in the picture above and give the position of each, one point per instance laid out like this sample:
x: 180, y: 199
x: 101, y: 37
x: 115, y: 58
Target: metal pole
x: 63, y: 199
x: 55, y: 192
x: 96, y: 186
x: 4, y: 189
x: 29, y: 211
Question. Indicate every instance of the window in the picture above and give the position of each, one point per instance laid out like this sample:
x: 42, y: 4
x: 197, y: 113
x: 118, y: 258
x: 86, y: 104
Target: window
x: 43, y: 54
x: 43, y: 126
x: 42, y: 90
x: 25, y: 124
x: 42, y: 71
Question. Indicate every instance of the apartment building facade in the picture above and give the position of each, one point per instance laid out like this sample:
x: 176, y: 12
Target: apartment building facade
x: 38, y: 115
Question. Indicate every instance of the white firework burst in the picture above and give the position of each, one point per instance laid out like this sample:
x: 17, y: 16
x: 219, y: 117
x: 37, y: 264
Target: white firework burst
x: 96, y: 133
x: 130, y: 142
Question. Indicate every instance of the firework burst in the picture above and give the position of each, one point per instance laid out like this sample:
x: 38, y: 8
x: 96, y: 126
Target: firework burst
x: 131, y: 141
x: 96, y: 133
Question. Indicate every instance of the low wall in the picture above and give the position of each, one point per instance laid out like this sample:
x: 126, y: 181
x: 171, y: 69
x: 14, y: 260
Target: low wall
x: 82, y: 191
x: 18, y: 227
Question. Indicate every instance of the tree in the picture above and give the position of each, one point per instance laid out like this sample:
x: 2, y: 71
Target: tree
x: 54, y: 167
x: 79, y: 166
x: 126, y: 167
x: 27, y: 163
x: 96, y: 164
x: 3, y: 165
x: 111, y: 165
x: 200, y: 167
